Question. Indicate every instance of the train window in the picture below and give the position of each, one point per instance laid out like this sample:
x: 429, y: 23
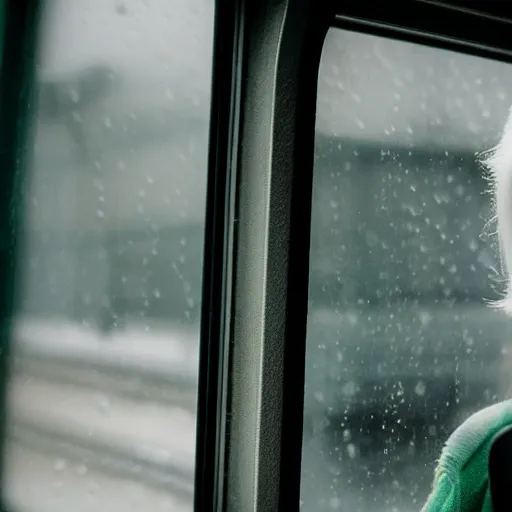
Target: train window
x: 102, y: 393
x: 402, y: 344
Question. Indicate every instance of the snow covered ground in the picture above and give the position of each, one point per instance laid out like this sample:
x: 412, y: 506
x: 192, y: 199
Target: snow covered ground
x: 156, y: 431
x: 83, y: 438
x: 39, y: 482
x: 78, y: 446
x: 157, y: 347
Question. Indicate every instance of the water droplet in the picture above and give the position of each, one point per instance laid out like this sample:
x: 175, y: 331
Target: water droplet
x: 352, y: 450
x: 335, y: 503
x: 349, y: 388
x: 104, y: 404
x: 75, y: 95
x: 60, y: 465
x: 81, y: 470
x: 420, y: 388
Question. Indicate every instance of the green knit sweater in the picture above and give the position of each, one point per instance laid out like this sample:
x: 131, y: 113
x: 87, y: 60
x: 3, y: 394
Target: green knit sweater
x: 461, y: 482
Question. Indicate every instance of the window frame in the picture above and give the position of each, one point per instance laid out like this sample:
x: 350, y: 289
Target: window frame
x: 268, y: 246
x: 19, y: 22
x: 246, y: 370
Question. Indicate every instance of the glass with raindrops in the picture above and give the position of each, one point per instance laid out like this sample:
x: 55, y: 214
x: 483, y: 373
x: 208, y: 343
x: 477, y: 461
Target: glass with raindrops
x: 103, y: 386
x: 402, y: 342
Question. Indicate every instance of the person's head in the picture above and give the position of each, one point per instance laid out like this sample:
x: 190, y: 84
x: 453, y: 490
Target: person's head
x: 499, y: 163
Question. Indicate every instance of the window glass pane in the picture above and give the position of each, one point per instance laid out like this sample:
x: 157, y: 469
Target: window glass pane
x: 402, y: 345
x: 102, y: 399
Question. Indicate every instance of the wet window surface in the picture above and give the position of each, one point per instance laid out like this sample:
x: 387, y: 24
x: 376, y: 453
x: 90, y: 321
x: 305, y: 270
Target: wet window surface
x: 402, y: 344
x: 102, y: 398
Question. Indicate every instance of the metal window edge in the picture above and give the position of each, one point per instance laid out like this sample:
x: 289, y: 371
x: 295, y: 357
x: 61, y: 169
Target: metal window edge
x: 274, y: 205
x: 273, y: 196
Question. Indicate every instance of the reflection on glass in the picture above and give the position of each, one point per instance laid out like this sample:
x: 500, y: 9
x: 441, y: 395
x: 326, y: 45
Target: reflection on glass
x: 102, y: 399
x: 402, y: 345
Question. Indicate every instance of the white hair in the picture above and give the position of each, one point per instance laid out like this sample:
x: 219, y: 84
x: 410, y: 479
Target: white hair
x: 499, y: 162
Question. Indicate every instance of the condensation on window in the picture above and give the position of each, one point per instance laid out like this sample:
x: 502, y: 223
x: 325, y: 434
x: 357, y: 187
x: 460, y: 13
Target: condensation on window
x: 402, y: 344
x: 102, y: 397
